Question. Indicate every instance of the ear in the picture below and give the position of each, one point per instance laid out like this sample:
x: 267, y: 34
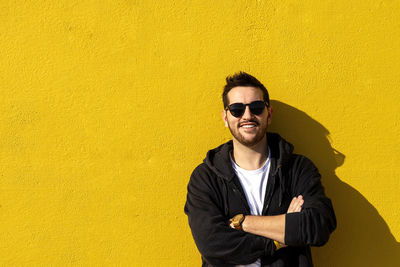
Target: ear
x: 224, y: 118
x: 270, y: 112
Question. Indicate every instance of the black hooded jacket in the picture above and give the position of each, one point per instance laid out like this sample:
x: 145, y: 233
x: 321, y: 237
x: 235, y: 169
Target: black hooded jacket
x: 215, y: 195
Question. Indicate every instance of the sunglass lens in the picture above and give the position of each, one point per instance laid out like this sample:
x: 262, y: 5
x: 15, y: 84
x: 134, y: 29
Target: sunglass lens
x: 257, y: 107
x: 237, y: 109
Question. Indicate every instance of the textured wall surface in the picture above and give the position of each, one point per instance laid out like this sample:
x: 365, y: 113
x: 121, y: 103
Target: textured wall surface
x: 107, y: 106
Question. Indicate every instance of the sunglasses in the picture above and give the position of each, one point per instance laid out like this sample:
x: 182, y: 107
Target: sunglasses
x: 238, y: 109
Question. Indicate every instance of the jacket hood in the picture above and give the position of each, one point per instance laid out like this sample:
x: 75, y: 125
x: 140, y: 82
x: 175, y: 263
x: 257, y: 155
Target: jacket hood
x: 218, y: 159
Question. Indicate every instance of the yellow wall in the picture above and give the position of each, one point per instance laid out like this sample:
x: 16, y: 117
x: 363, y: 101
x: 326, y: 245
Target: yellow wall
x: 107, y: 106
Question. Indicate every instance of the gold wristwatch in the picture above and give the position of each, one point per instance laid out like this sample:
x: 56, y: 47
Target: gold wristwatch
x: 237, y: 221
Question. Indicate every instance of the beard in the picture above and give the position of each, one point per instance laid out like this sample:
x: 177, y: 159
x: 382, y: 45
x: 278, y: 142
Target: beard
x: 248, y: 141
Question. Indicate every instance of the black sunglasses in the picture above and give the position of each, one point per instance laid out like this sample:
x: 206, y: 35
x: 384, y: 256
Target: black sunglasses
x: 256, y: 107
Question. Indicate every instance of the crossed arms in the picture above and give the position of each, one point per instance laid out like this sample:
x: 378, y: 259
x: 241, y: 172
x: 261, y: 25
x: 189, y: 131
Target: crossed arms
x: 272, y: 227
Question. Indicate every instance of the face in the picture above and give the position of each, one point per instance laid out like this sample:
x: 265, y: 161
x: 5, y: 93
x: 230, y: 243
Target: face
x: 249, y: 129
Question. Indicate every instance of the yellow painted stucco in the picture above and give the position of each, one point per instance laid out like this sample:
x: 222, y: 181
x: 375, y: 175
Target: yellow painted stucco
x: 107, y: 106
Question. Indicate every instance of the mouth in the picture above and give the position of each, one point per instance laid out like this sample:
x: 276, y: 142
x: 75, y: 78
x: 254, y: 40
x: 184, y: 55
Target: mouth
x: 249, y: 125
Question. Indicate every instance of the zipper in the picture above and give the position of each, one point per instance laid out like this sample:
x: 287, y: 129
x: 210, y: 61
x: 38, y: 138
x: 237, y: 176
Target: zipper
x: 242, y: 197
x: 268, y: 194
x: 270, y: 190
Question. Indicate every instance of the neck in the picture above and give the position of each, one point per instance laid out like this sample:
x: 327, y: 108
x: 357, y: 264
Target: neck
x: 250, y: 158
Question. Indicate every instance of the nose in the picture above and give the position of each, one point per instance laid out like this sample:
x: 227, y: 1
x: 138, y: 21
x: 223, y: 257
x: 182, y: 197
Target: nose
x: 247, y: 114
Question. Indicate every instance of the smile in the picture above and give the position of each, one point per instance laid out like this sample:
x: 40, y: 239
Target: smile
x: 248, y: 125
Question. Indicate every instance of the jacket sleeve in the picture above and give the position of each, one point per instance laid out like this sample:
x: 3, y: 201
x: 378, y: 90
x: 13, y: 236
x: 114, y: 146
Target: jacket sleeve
x: 219, y: 244
x: 316, y: 221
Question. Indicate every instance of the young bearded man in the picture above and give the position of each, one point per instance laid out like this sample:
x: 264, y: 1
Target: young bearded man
x: 253, y: 202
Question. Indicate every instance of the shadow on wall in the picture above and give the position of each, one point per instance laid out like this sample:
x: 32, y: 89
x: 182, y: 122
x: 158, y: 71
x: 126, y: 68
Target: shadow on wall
x: 362, y: 237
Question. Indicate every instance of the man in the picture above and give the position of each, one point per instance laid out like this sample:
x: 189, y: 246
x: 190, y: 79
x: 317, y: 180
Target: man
x: 253, y: 202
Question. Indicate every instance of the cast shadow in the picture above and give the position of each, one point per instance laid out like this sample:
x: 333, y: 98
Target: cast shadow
x: 362, y: 237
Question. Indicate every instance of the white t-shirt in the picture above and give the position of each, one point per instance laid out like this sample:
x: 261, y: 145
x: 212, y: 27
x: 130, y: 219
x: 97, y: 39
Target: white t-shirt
x: 254, y: 184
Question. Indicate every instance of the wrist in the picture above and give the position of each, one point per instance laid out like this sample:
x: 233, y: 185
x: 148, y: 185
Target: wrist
x: 245, y: 223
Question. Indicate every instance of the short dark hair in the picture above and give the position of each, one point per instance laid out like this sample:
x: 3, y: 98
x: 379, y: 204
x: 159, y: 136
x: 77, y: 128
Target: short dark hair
x: 243, y: 79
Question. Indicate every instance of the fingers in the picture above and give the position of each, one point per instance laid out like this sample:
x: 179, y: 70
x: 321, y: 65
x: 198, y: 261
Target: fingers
x: 296, y: 204
x: 291, y: 206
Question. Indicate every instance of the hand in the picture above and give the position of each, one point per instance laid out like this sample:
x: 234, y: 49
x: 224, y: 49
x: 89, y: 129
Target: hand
x: 296, y: 204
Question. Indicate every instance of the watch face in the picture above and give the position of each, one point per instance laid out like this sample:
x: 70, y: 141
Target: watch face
x: 237, y: 220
